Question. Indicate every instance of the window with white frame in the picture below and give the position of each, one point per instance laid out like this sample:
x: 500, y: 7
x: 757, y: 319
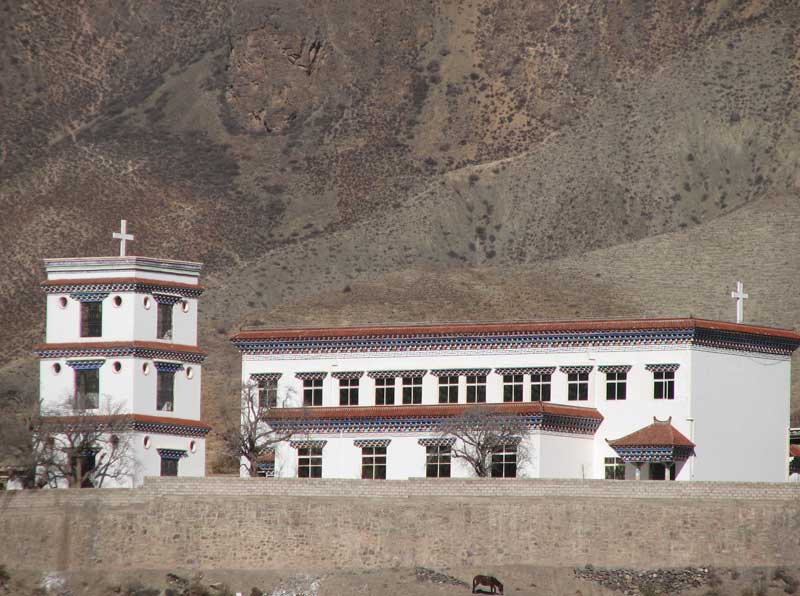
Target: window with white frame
x: 664, y: 384
x: 476, y: 389
x: 267, y: 393
x: 512, y: 387
x: 437, y: 461
x: 616, y: 385
x: 540, y: 386
x: 312, y: 392
x: 373, y: 463
x: 578, y: 386
x: 412, y: 390
x: 309, y: 461
x: 384, y: 391
x: 504, y: 461
x: 348, y: 392
x: 448, y: 389
x: 615, y: 468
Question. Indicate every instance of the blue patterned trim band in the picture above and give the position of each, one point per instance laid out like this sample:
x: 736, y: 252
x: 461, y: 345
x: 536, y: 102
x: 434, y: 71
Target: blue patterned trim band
x: 171, y: 453
x: 85, y: 364
x: 89, y: 296
x: 372, y: 442
x: 172, y: 367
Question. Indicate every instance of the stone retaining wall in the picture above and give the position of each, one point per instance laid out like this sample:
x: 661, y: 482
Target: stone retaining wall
x: 293, y: 524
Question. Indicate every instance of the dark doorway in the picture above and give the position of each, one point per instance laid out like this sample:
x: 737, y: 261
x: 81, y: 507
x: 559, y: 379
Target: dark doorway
x: 659, y: 471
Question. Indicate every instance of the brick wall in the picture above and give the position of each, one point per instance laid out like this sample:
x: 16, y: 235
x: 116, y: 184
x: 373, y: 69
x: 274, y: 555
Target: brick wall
x: 296, y: 524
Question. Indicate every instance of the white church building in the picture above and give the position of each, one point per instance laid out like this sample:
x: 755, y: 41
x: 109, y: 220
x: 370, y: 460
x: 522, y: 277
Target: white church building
x: 121, y: 337
x: 682, y: 399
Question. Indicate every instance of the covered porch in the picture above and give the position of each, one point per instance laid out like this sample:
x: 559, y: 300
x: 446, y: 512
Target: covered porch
x: 658, y: 449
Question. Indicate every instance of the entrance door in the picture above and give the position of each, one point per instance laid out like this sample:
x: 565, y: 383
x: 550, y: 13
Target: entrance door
x: 659, y: 471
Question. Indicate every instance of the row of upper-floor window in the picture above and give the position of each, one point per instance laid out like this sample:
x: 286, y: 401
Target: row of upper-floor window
x: 409, y: 392
x: 91, y: 315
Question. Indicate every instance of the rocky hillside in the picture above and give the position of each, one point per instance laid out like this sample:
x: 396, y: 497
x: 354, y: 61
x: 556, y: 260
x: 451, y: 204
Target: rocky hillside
x: 368, y: 161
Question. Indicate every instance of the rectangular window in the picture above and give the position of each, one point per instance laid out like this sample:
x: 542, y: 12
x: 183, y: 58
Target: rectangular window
x: 91, y: 319
x: 384, y: 392
x: 312, y: 392
x: 512, y: 387
x: 309, y: 462
x: 83, y: 467
x: 615, y: 468
x: 664, y: 384
x: 373, y: 463
x: 615, y: 385
x: 164, y: 321
x: 169, y: 466
x: 540, y: 387
x: 504, y: 462
x: 348, y: 392
x: 437, y: 461
x: 87, y: 389
x: 412, y: 390
x: 448, y: 389
x: 268, y: 393
x: 578, y: 386
x: 476, y: 389
x: 165, y: 391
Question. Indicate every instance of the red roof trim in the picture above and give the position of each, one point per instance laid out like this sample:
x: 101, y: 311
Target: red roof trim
x: 659, y: 434
x: 522, y: 327
x: 433, y: 411
x: 142, y: 418
x: 119, y: 280
x: 144, y: 345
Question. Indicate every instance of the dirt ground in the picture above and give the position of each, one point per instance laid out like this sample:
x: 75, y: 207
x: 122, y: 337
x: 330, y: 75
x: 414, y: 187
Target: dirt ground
x: 517, y: 580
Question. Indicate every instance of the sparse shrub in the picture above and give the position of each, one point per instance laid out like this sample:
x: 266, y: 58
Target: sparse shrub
x: 791, y: 584
x: 5, y: 576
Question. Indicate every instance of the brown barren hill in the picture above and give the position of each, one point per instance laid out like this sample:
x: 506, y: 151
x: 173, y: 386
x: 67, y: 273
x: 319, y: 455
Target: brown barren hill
x: 378, y: 161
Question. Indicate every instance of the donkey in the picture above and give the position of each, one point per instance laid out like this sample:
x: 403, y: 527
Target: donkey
x: 487, y: 580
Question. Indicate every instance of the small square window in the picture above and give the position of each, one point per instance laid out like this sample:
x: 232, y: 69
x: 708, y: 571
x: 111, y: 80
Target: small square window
x: 384, y: 392
x: 512, y: 387
x: 615, y: 468
x: 448, y: 389
x: 169, y: 466
x: 504, y: 462
x: 348, y: 392
x: 616, y: 385
x: 578, y: 386
x: 437, y: 461
x: 312, y: 392
x: 412, y: 390
x: 373, y: 463
x: 268, y: 393
x: 664, y: 384
x: 540, y: 387
x: 476, y: 389
x: 309, y: 462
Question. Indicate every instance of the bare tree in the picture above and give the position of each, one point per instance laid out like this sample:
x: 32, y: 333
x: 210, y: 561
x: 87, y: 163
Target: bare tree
x: 247, y: 433
x: 83, y: 447
x: 20, y: 446
x: 482, y: 431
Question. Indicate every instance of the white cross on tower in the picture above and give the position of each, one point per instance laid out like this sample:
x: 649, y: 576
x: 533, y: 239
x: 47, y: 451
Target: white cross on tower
x: 740, y: 297
x: 122, y: 236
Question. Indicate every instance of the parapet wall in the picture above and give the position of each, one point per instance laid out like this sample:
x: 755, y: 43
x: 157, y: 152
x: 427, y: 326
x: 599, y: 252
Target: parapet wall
x: 293, y: 524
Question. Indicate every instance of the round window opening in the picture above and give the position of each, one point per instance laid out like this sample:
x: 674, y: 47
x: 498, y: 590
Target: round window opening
x: 146, y: 368
x: 62, y: 302
x: 189, y: 372
x: 147, y: 302
x: 146, y: 442
x: 117, y: 301
x: 116, y: 367
x: 56, y: 368
x: 185, y: 306
x: 192, y: 446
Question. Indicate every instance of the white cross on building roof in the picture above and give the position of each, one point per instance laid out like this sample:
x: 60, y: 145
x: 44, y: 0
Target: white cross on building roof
x: 122, y: 236
x: 740, y: 297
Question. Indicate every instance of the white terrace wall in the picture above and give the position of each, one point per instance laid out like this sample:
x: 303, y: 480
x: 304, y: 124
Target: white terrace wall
x: 293, y: 524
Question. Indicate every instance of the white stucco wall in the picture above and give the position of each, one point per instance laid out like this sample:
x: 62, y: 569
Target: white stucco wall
x: 564, y: 456
x: 740, y: 404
